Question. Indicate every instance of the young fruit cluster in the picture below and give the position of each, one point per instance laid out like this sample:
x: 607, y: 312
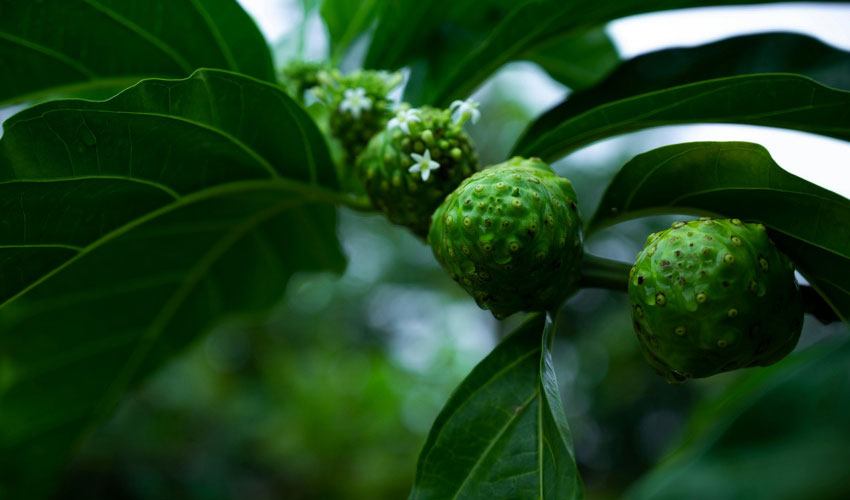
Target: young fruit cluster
x: 410, y: 167
x: 511, y: 236
x: 710, y: 296
x: 358, y: 104
x: 300, y: 76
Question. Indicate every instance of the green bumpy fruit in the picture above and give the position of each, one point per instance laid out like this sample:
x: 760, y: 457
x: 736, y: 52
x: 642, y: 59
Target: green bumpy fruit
x: 710, y: 296
x: 404, y: 196
x: 355, y: 127
x: 510, y: 235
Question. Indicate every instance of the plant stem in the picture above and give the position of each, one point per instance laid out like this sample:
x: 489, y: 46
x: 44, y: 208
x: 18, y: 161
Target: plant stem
x: 598, y: 272
x: 358, y: 204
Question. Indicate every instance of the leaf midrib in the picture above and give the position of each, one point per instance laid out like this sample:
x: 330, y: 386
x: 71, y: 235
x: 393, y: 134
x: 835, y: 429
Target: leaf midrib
x: 472, y: 394
x: 310, y: 192
x: 262, y: 162
x: 569, y: 144
x: 496, y: 438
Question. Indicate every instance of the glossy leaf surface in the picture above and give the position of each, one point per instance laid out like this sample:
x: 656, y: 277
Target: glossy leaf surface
x: 97, y: 47
x: 735, y: 447
x: 503, y: 433
x: 131, y: 227
x: 741, y: 180
x: 510, y: 31
x: 772, y: 100
x: 762, y: 53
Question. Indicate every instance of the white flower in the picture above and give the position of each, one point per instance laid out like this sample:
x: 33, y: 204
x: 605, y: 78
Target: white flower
x: 403, y: 118
x: 355, y: 101
x: 464, y: 110
x: 424, y: 164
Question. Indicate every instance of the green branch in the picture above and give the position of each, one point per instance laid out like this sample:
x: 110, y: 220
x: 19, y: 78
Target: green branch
x: 597, y: 272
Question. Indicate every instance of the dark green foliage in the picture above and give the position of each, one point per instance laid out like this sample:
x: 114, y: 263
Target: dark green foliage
x: 761, y: 53
x: 510, y: 235
x: 771, y: 100
x: 403, y: 195
x: 95, y: 49
x: 710, y: 296
x: 134, y: 226
x: 503, y: 431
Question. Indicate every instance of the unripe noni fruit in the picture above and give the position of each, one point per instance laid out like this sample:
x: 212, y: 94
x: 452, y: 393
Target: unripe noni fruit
x: 709, y: 296
x: 511, y: 236
x: 358, y: 104
x: 390, y: 167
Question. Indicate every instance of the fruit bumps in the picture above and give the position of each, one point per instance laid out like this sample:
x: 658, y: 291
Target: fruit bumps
x: 359, y: 104
x: 710, y: 296
x: 409, y: 168
x: 510, y: 235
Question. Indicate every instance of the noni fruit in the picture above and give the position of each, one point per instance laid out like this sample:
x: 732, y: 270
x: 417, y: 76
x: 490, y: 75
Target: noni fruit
x: 511, y: 236
x: 410, y: 167
x: 708, y: 296
x: 359, y: 106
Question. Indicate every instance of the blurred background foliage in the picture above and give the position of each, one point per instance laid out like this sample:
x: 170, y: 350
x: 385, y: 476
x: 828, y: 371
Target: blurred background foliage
x: 333, y: 396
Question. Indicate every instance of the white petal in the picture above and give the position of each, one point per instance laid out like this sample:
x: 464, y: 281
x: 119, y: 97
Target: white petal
x: 404, y: 127
x: 427, y: 156
x: 425, y: 174
x: 475, y: 115
x: 432, y: 165
x: 413, y: 168
x: 417, y: 157
x: 392, y: 124
x: 456, y: 104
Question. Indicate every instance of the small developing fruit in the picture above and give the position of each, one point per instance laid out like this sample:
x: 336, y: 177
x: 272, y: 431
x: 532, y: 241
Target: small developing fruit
x: 730, y: 299
x: 410, y: 167
x: 299, y: 76
x: 359, y: 106
x: 510, y: 235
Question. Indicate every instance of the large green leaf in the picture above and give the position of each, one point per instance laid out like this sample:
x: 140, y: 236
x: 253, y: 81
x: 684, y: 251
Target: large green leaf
x: 512, y: 30
x: 762, y: 53
x: 741, y: 180
x: 444, y: 33
x: 736, y: 447
x: 578, y: 61
x: 91, y: 47
x: 131, y: 227
x: 773, y: 100
x: 503, y: 433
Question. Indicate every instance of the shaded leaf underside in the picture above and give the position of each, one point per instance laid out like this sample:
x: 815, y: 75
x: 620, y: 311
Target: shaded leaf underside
x: 131, y: 227
x: 97, y: 47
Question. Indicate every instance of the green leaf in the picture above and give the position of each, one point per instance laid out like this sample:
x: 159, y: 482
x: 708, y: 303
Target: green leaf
x: 346, y: 20
x: 97, y: 47
x: 740, y: 180
x: 763, y: 53
x: 516, y: 29
x: 736, y: 447
x: 503, y: 433
x: 131, y: 227
x: 579, y: 61
x: 785, y: 101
